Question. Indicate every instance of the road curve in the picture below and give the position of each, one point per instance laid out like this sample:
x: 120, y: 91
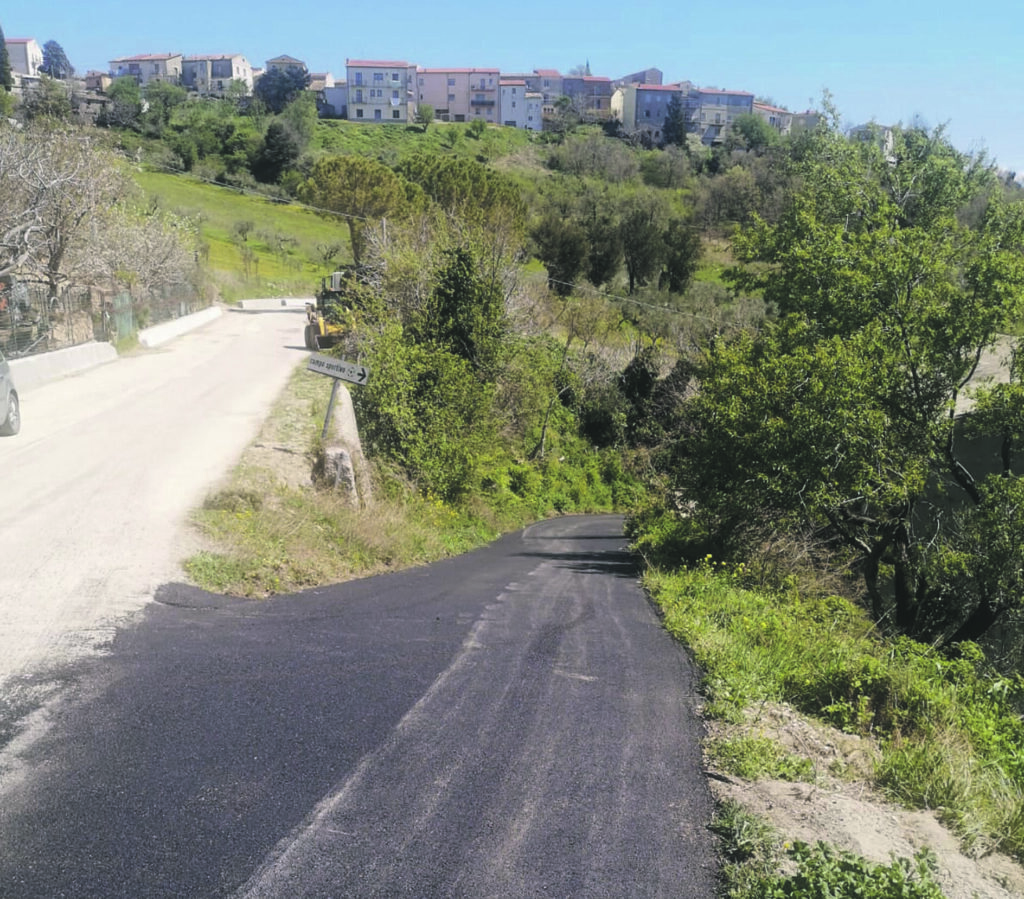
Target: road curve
x: 513, y: 722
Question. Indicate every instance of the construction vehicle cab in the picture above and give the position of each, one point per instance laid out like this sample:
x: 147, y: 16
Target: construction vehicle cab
x: 330, y: 317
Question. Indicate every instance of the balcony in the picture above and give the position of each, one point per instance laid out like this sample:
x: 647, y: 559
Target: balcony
x: 481, y: 102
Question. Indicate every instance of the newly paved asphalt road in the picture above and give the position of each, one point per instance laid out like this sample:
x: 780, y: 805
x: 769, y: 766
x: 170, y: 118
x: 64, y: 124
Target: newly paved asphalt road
x: 514, y: 722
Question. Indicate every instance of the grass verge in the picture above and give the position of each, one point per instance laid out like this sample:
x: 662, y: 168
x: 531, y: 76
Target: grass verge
x: 948, y: 731
x: 251, y: 246
x: 267, y: 531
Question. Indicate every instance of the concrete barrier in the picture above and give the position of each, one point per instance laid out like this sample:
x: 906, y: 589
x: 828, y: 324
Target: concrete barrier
x: 33, y: 371
x: 159, y: 334
x: 275, y: 304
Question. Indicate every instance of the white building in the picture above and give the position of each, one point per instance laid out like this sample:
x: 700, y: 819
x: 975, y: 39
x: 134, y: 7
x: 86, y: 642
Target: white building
x: 25, y: 54
x: 381, y: 91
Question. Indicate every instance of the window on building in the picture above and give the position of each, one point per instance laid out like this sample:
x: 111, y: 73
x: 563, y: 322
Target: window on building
x: 359, y: 77
x: 359, y: 113
x: 451, y: 98
x: 377, y: 114
x: 394, y: 95
x: 378, y: 76
x: 396, y: 114
x: 395, y: 77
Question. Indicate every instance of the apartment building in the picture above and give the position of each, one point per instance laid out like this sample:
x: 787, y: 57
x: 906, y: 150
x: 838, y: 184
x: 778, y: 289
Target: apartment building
x: 381, y: 91
x: 643, y: 108
x: 285, y: 63
x: 647, y: 76
x: 718, y: 110
x: 25, y: 55
x: 147, y: 67
x: 591, y: 95
x: 212, y: 75
x: 519, y: 107
x: 780, y: 119
x: 460, y: 94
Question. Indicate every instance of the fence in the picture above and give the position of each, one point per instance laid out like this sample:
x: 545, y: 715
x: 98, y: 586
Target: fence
x: 34, y: 321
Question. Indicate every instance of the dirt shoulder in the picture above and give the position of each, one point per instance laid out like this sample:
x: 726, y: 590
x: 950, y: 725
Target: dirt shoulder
x: 846, y: 812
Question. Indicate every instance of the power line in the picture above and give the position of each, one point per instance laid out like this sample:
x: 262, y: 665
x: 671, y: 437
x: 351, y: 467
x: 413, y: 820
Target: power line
x: 288, y: 201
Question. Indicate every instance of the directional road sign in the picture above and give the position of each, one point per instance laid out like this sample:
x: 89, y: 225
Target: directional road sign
x: 338, y: 368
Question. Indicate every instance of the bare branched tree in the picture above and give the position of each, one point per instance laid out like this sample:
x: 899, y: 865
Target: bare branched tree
x: 55, y: 182
x: 69, y: 215
x: 145, y: 250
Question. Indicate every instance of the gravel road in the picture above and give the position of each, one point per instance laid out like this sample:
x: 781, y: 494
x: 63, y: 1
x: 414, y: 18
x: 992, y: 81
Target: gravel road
x: 95, y: 490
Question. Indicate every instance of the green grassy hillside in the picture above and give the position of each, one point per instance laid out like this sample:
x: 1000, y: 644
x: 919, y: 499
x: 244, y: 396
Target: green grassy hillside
x: 390, y: 143
x: 251, y: 246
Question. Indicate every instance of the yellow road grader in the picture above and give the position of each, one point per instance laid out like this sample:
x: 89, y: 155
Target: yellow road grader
x: 330, y: 318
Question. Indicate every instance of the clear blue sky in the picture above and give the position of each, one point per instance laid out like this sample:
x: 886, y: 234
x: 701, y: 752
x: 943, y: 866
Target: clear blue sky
x: 939, y: 62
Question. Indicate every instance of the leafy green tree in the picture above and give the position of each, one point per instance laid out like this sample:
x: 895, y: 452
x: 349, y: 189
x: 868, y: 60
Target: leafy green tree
x: 278, y: 87
x: 562, y: 246
x: 278, y: 151
x: 751, y: 132
x: 674, y: 130
x: 6, y: 75
x: 162, y: 98
x: 604, y: 249
x: 838, y: 420
x: 49, y: 99
x: 465, y: 313
x: 361, y: 190
x: 467, y: 189
x: 425, y: 409
x: 731, y: 196
x: 643, y: 247
x: 566, y: 119
x: 124, y: 108
x: 682, y: 254
x: 55, y: 62
x: 669, y: 168
x: 301, y: 117
x: 424, y: 116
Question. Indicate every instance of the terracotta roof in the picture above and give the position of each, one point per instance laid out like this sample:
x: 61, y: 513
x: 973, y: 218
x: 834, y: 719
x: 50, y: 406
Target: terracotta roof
x: 376, y: 64
x: 145, y: 57
x: 597, y: 78
x: 715, y: 90
x: 548, y: 73
x: 459, y: 71
x: 768, y: 108
x: 18, y: 40
x: 659, y: 87
x: 513, y: 81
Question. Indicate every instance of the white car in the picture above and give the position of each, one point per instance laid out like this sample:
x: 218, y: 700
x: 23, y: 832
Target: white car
x: 10, y: 408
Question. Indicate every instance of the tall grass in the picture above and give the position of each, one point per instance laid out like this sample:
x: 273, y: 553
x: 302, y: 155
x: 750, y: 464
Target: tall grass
x: 949, y: 730
x: 282, y: 251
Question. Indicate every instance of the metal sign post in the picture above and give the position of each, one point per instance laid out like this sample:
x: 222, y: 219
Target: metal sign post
x: 340, y: 370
